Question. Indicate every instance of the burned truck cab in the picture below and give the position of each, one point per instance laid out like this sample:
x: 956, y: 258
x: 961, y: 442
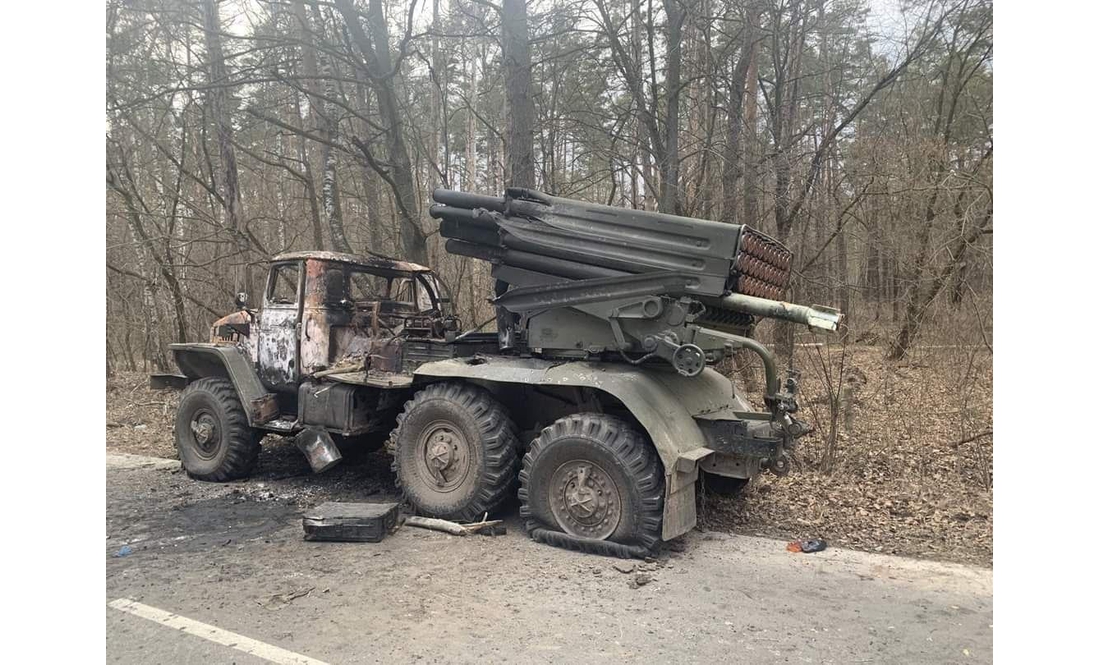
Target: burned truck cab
x: 325, y: 310
x: 333, y: 343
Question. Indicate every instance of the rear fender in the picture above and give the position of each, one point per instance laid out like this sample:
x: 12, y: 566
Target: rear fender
x: 663, y: 402
x: 197, y: 361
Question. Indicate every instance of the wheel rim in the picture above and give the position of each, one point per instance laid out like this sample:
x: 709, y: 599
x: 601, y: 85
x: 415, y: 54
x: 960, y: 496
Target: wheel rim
x: 205, y: 434
x: 585, y: 500
x: 443, y: 454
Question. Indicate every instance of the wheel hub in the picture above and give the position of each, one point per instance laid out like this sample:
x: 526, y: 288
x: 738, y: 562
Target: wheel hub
x: 204, y: 429
x: 585, y: 500
x: 441, y: 454
x: 445, y: 455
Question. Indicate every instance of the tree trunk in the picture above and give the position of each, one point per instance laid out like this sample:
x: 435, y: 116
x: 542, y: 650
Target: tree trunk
x: 380, y: 72
x: 438, y: 170
x: 670, y: 166
x: 748, y: 138
x: 520, y: 141
x: 470, y: 184
x: 734, y: 159
x: 325, y: 112
x: 219, y: 101
x: 307, y: 181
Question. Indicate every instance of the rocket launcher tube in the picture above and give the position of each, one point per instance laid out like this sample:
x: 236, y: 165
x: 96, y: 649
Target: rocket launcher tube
x: 817, y: 317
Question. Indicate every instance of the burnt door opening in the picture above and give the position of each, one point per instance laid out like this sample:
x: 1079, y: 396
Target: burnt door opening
x: 277, y: 351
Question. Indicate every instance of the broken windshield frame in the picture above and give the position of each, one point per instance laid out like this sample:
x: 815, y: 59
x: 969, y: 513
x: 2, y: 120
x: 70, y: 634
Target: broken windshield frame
x: 362, y: 288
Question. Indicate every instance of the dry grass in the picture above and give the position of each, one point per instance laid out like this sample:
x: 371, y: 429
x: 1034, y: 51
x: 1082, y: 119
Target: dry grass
x: 139, y: 420
x: 911, y: 471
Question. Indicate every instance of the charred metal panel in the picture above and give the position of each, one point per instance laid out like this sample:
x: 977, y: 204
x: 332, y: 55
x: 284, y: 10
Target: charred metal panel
x: 277, y: 355
x: 236, y: 328
x: 340, y: 407
x: 370, y: 262
x: 201, y: 360
x: 418, y: 352
x: 263, y: 409
x: 316, y: 339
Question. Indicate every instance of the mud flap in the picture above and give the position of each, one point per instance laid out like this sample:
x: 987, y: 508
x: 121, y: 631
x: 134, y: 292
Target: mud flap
x: 679, y: 503
x: 319, y: 449
x: 680, y: 493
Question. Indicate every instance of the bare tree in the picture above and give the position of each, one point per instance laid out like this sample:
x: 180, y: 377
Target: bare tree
x: 379, y: 68
x: 520, y: 143
x: 220, y: 109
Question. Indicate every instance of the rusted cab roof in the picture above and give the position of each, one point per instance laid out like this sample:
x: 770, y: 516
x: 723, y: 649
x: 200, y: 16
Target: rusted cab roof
x: 353, y: 259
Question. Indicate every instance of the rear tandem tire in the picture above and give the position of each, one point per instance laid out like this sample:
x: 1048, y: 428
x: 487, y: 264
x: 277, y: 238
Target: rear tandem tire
x: 213, y: 438
x: 455, y: 451
x: 596, y: 478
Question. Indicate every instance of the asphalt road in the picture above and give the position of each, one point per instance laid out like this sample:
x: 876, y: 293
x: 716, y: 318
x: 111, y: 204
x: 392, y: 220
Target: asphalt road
x: 227, y: 578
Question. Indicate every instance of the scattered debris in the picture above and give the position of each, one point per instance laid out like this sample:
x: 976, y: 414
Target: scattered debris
x: 125, y: 550
x: 454, y: 528
x: 640, y: 580
x: 813, y: 545
x: 624, y: 566
x: 807, y: 546
x: 280, y: 600
x: 352, y: 522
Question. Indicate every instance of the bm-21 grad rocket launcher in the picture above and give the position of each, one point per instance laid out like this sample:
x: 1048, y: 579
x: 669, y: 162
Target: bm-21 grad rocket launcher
x: 578, y: 280
x: 582, y: 280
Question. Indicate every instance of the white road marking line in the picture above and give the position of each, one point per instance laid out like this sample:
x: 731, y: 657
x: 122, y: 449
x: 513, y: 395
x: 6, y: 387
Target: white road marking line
x: 214, y: 634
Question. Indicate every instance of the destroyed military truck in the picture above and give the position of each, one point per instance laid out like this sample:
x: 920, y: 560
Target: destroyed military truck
x: 594, y: 400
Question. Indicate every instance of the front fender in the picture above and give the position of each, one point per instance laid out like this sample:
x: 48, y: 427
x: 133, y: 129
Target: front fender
x: 198, y: 361
x: 663, y: 402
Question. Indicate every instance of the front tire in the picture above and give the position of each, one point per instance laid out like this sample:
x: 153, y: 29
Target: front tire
x: 595, y: 478
x: 213, y: 438
x: 455, y: 452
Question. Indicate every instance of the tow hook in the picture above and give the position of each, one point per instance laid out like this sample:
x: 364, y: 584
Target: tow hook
x: 779, y: 465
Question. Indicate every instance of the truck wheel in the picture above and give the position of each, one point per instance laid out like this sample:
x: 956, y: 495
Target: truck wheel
x: 592, y: 477
x: 213, y: 438
x: 455, y: 451
x: 723, y: 485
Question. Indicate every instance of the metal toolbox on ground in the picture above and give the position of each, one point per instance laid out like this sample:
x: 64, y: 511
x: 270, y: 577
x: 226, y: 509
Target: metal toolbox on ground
x: 350, y: 522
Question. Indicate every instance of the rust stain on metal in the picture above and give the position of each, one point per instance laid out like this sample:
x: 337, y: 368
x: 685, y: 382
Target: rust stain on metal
x: 264, y: 408
x: 375, y: 262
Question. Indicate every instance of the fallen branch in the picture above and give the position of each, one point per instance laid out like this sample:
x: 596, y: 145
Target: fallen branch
x: 446, y: 526
x: 977, y: 436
